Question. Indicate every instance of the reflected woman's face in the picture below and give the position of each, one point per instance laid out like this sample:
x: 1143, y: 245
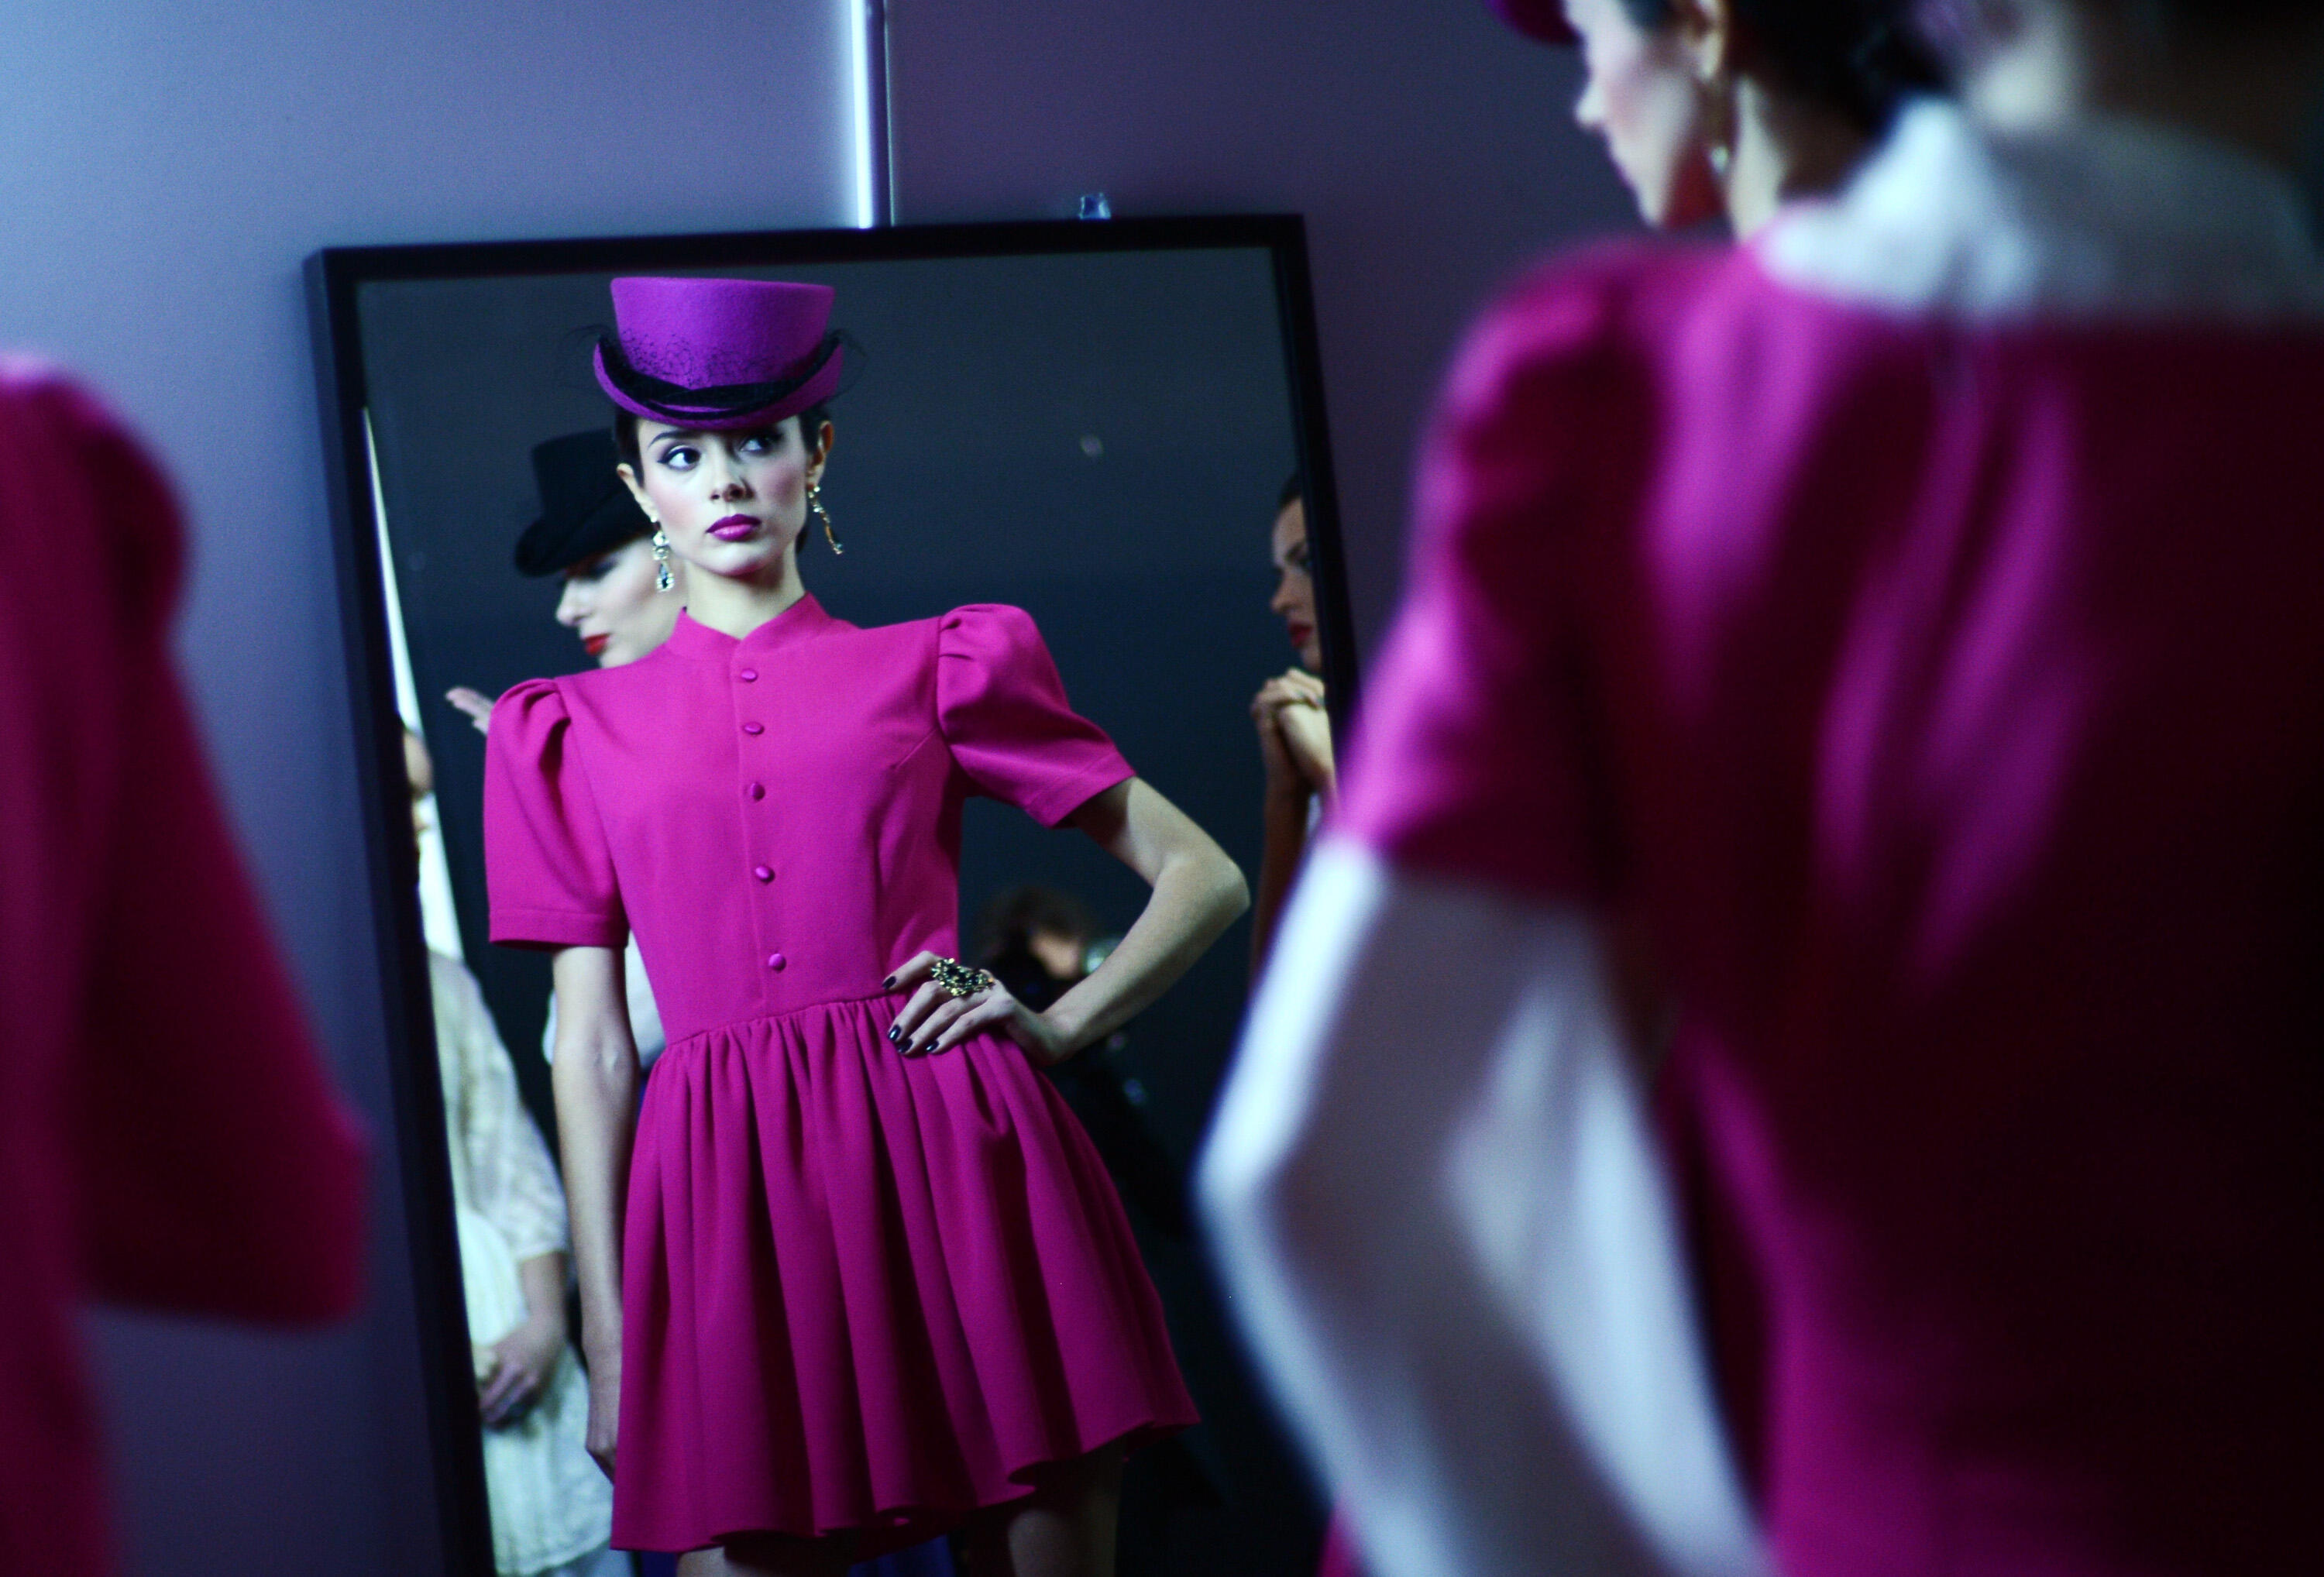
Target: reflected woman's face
x: 1643, y: 99
x: 732, y: 504
x: 1295, y: 586
x: 611, y: 603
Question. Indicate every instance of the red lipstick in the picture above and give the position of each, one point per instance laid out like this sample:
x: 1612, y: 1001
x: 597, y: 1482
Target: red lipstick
x: 735, y: 527
x: 595, y: 645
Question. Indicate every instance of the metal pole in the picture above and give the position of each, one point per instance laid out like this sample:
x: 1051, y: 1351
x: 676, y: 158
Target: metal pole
x: 875, y: 173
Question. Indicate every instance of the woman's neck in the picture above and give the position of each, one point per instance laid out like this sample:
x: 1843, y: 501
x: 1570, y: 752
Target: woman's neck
x: 2257, y: 90
x: 1783, y: 150
x: 736, y: 607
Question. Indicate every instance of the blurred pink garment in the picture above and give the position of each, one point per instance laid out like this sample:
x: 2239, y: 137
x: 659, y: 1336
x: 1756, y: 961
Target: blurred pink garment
x: 858, y: 1290
x: 1919, y: 615
x: 168, y: 1138
x: 1340, y: 1556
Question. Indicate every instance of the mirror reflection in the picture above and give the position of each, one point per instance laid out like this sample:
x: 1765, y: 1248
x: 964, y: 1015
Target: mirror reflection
x: 733, y: 612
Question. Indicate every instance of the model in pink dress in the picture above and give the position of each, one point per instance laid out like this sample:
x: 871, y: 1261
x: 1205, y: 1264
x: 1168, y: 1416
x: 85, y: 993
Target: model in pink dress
x: 1914, y: 613
x: 873, y: 1281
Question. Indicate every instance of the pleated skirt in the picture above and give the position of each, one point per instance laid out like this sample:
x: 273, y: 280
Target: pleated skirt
x: 865, y: 1292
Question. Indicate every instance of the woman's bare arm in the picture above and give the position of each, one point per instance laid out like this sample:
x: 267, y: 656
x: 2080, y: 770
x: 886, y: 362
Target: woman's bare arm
x: 595, y: 1079
x: 1294, y: 745
x: 1198, y: 892
x: 1283, y: 845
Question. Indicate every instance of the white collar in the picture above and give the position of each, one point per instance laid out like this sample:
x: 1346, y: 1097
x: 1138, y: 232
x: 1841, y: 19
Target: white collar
x: 2104, y: 219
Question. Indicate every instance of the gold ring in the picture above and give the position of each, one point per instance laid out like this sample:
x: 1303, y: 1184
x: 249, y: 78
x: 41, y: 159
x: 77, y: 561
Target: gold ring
x: 959, y: 980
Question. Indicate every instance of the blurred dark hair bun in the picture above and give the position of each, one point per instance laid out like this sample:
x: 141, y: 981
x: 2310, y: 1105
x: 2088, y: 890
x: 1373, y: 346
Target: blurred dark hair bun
x: 1859, y: 58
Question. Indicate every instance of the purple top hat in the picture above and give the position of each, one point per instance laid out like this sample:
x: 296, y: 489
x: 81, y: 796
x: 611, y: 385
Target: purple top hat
x: 717, y: 354
x: 1542, y: 20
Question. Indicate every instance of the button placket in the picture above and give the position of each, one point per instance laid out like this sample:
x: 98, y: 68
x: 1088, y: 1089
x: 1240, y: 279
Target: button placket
x: 754, y: 790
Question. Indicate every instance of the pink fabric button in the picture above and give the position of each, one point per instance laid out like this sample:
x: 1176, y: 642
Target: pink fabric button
x: 762, y: 873
x: 756, y: 791
x: 777, y: 962
x: 748, y: 675
x: 754, y: 728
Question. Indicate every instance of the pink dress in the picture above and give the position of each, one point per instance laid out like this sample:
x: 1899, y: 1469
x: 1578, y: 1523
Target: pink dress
x: 1919, y: 616
x: 859, y: 1291
x: 169, y: 1138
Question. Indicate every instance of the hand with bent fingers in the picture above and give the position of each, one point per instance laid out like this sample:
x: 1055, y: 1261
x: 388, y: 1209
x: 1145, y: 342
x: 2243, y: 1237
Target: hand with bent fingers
x: 474, y: 703
x: 1295, y: 733
x: 523, y: 1361
x: 935, y: 1020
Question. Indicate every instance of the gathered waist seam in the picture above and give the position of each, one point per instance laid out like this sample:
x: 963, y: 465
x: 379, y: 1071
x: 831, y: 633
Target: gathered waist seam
x: 692, y: 1036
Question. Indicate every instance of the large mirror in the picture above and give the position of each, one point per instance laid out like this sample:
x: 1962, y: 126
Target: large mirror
x: 1104, y: 424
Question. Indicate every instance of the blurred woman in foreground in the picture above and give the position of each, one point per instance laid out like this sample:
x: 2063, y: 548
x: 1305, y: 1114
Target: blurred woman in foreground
x: 1909, y: 614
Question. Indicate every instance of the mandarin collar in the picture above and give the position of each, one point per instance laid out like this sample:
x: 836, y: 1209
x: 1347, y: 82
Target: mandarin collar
x: 802, y: 621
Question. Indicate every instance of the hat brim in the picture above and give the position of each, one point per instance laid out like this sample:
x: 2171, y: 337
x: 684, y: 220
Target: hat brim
x: 822, y: 386
x: 552, y: 547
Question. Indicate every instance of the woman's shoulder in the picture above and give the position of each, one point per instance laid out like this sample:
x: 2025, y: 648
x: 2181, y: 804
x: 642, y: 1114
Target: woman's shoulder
x: 967, y: 631
x: 1598, y: 308
x: 529, y: 703
x: 96, y: 486
x: 530, y: 724
x: 993, y: 636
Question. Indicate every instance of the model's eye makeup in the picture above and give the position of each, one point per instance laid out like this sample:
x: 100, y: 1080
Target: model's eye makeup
x: 592, y: 572
x: 680, y: 457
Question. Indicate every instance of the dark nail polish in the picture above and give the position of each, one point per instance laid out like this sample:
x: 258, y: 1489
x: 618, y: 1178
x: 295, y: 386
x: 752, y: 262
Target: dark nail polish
x: 894, y: 1036
x: 889, y: 985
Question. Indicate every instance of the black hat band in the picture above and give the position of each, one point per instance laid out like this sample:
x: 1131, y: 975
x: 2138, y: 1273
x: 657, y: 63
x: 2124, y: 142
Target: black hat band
x: 678, y: 403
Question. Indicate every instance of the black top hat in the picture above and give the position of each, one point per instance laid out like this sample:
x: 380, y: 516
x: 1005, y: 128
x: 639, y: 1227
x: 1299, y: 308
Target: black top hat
x: 586, y: 509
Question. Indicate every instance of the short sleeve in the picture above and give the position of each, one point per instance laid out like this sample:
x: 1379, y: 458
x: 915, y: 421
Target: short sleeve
x: 1474, y: 754
x: 1002, y: 710
x: 547, y: 864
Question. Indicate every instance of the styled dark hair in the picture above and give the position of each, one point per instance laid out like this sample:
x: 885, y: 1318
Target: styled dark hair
x: 1292, y: 494
x: 1859, y: 58
x: 625, y: 432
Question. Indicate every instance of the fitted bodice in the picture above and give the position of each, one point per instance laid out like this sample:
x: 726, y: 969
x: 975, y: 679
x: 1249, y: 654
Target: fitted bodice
x: 777, y: 816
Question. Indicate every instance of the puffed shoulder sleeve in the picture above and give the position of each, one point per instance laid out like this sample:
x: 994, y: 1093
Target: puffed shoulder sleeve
x: 1473, y: 757
x: 1002, y: 710
x: 547, y: 864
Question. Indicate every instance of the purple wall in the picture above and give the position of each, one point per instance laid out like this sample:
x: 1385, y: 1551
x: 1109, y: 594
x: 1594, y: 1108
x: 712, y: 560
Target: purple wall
x: 1431, y: 151
x: 165, y: 166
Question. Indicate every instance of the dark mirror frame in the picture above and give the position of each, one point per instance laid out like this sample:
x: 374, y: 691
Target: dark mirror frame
x: 334, y: 277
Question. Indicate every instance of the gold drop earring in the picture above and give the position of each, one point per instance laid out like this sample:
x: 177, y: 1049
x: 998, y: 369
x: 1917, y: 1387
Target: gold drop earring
x: 815, y: 502
x: 662, y: 581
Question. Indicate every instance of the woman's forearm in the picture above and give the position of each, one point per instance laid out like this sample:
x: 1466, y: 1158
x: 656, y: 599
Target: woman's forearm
x: 595, y: 1081
x: 1198, y: 892
x: 542, y: 1276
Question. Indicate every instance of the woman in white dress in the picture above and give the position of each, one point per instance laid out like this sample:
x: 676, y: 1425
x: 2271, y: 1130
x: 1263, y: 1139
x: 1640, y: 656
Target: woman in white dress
x: 551, y: 1508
